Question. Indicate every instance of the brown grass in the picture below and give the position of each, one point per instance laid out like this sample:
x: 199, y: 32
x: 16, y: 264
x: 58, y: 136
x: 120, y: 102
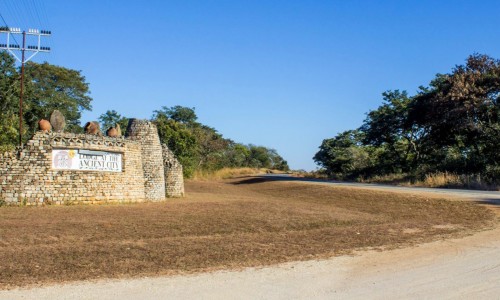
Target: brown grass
x: 450, y: 180
x: 226, y: 173
x: 433, y: 180
x: 230, y: 224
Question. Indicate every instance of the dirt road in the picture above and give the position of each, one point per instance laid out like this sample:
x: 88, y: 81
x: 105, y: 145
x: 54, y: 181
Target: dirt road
x: 466, y: 268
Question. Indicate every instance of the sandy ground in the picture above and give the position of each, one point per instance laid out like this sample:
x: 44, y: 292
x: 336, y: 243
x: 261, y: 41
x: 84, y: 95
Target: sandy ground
x: 466, y: 268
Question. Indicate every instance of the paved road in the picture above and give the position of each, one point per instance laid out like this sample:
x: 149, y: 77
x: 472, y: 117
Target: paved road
x: 467, y: 268
x: 487, y: 197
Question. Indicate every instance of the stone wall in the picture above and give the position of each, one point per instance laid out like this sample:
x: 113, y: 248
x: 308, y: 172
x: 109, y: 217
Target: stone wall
x: 174, y: 180
x: 146, y: 134
x: 27, y: 176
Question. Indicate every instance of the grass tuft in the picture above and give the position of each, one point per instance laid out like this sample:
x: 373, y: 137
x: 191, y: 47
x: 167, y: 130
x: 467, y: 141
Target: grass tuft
x: 226, y: 173
x: 451, y: 180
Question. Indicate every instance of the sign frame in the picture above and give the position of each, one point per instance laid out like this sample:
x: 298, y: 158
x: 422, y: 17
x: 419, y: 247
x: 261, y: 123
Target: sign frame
x: 64, y: 159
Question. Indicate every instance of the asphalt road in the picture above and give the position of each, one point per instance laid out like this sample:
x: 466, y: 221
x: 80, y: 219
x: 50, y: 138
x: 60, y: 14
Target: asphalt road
x: 486, y: 197
x: 466, y: 268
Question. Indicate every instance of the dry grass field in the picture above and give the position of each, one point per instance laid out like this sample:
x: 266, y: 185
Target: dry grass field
x: 232, y: 223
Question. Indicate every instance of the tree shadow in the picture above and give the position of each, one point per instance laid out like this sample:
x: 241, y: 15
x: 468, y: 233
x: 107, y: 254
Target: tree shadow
x: 267, y: 178
x: 253, y: 180
x: 489, y: 201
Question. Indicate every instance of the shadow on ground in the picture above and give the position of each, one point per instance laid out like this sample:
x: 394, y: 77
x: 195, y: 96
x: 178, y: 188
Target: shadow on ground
x: 253, y: 180
x: 267, y: 178
x: 492, y: 201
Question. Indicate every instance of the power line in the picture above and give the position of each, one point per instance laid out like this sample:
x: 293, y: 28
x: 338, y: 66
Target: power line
x: 6, y: 25
x: 36, y: 13
x: 45, y: 15
x: 30, y: 48
x: 30, y: 11
x: 15, y: 12
x: 25, y: 14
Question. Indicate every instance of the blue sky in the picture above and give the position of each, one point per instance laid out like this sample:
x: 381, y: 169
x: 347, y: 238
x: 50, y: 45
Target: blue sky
x: 283, y: 74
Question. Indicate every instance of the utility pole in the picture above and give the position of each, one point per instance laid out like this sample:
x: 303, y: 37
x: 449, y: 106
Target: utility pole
x: 12, y: 32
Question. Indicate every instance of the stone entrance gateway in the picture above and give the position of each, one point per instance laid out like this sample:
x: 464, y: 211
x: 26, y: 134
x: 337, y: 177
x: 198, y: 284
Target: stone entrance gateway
x: 67, y: 168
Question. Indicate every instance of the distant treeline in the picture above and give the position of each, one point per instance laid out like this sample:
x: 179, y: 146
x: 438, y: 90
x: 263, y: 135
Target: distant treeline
x: 48, y: 87
x: 451, y: 126
x: 200, y: 147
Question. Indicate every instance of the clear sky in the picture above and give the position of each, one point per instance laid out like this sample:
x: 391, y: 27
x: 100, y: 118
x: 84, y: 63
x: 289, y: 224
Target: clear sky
x: 282, y: 74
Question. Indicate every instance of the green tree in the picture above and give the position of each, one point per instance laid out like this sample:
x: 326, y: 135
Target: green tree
x: 110, y: 118
x: 259, y: 157
x: 237, y: 155
x: 277, y: 162
x: 179, y: 114
x: 179, y: 140
x: 452, y: 125
x: 389, y: 126
x: 9, y: 102
x: 344, y: 156
x: 211, y: 147
x: 462, y: 111
x: 200, y: 147
x: 50, y: 87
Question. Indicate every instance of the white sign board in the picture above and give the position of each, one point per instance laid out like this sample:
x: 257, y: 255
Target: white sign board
x: 86, y: 160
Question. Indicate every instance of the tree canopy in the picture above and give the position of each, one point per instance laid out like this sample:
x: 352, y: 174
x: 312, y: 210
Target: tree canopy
x: 200, y: 147
x: 9, y: 101
x: 111, y: 118
x: 47, y: 88
x: 50, y: 87
x: 452, y: 125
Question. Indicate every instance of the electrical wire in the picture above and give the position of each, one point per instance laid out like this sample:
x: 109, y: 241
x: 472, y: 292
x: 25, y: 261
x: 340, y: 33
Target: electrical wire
x: 25, y: 14
x: 15, y: 12
x: 36, y: 9
x: 3, y: 19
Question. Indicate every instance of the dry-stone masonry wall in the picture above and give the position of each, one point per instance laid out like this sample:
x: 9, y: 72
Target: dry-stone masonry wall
x: 146, y: 134
x: 174, y: 181
x: 28, y: 176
